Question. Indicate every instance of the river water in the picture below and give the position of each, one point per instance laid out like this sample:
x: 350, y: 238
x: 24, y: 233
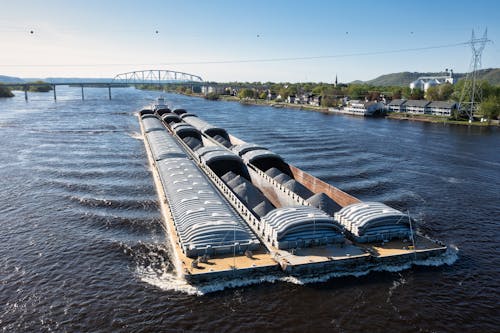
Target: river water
x: 82, y: 248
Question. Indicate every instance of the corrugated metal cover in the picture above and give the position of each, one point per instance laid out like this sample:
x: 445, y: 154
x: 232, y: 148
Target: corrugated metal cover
x: 171, y: 117
x: 372, y: 218
x: 185, y: 115
x: 163, y: 145
x: 203, y: 218
x: 183, y: 129
x: 205, y: 127
x: 288, y: 227
x: 246, y: 147
x: 209, y: 149
x: 152, y: 124
x: 181, y: 125
x: 208, y: 157
x: 196, y: 122
x: 254, y: 155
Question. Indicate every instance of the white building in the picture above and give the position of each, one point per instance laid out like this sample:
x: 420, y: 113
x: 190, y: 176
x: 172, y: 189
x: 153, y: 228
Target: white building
x: 212, y: 89
x: 397, y: 105
x: 363, y: 108
x: 419, y: 106
x: 425, y: 82
x: 442, y: 108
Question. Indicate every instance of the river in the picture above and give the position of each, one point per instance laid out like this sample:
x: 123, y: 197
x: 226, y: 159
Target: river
x: 82, y: 248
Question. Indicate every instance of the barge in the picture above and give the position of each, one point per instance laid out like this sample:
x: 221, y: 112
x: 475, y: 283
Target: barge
x: 234, y: 209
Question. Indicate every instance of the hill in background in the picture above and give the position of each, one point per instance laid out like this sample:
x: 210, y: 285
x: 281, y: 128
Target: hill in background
x: 492, y: 75
x: 10, y: 79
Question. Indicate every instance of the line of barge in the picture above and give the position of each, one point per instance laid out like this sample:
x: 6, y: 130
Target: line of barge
x: 233, y: 209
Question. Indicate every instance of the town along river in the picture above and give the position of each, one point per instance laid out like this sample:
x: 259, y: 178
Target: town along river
x: 82, y: 247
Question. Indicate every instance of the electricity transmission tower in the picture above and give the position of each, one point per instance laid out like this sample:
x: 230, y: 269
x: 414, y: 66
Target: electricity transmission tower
x: 472, y: 92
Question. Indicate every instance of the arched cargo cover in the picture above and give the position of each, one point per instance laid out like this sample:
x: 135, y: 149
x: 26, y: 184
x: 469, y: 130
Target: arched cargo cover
x: 265, y: 159
x: 373, y: 220
x: 162, y: 111
x: 179, y: 111
x: 184, y: 130
x: 204, y: 221
x: 185, y: 115
x: 145, y: 111
x: 292, y: 226
x: 152, y: 123
x: 171, y: 118
x: 245, y: 148
x: 221, y: 161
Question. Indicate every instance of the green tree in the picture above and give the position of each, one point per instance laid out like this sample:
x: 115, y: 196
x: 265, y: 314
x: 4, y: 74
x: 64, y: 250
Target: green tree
x: 318, y: 90
x: 397, y: 93
x: 45, y: 88
x: 417, y: 94
x: 357, y: 91
x: 212, y: 96
x: 263, y: 95
x: 445, y: 91
x: 406, y: 92
x: 490, y: 107
x: 328, y: 101
x: 458, y: 90
x: 5, y: 92
x: 284, y: 93
x: 432, y: 94
x: 246, y: 93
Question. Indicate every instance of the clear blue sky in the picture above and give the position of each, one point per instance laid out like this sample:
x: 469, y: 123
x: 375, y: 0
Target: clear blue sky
x: 100, y: 38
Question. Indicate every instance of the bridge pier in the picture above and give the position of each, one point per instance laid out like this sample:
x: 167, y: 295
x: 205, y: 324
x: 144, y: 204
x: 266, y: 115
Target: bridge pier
x: 26, y: 93
x: 83, y: 97
x: 109, y: 92
x: 54, y: 88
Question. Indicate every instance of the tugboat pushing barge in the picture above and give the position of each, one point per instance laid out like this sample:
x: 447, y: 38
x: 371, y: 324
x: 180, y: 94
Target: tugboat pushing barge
x: 234, y: 209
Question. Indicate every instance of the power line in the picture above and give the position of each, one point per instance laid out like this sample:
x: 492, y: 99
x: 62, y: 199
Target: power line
x: 236, y: 61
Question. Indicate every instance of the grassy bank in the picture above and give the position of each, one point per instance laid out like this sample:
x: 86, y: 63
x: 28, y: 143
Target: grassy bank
x: 263, y: 102
x: 437, y: 119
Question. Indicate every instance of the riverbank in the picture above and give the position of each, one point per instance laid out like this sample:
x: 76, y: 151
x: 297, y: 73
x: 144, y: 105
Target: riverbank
x: 438, y: 119
x: 5, y: 92
x: 263, y: 102
x: 396, y: 116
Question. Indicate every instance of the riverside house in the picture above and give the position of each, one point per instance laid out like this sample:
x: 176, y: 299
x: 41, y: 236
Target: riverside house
x: 397, y: 105
x: 363, y: 108
x: 417, y: 106
x: 442, y: 108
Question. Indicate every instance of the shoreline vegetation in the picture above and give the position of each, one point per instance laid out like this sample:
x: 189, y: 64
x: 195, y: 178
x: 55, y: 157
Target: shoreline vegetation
x: 41, y: 86
x: 324, y: 109
x: 5, y: 91
x: 331, y: 97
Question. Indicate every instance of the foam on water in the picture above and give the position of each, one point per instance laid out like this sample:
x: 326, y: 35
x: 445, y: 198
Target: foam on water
x: 170, y: 281
x: 136, y: 135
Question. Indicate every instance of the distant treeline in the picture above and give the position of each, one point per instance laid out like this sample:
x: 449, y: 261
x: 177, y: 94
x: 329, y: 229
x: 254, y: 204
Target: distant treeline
x: 6, y: 89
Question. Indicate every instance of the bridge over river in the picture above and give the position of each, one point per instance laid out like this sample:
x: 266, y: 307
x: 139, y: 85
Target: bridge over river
x: 156, y: 77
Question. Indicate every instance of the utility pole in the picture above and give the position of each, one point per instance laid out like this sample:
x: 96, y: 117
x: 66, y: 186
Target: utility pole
x: 472, y: 92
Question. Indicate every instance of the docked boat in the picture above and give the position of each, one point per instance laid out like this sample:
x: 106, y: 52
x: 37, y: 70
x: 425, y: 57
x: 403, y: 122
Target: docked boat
x: 233, y: 209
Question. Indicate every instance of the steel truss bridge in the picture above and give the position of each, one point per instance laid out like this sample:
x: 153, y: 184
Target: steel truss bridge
x: 158, y: 77
x: 153, y: 76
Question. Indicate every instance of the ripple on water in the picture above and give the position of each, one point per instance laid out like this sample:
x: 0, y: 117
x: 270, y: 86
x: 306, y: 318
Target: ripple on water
x: 82, y: 246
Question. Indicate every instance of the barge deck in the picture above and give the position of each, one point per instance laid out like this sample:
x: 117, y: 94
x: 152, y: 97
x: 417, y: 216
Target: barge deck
x: 319, y: 246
